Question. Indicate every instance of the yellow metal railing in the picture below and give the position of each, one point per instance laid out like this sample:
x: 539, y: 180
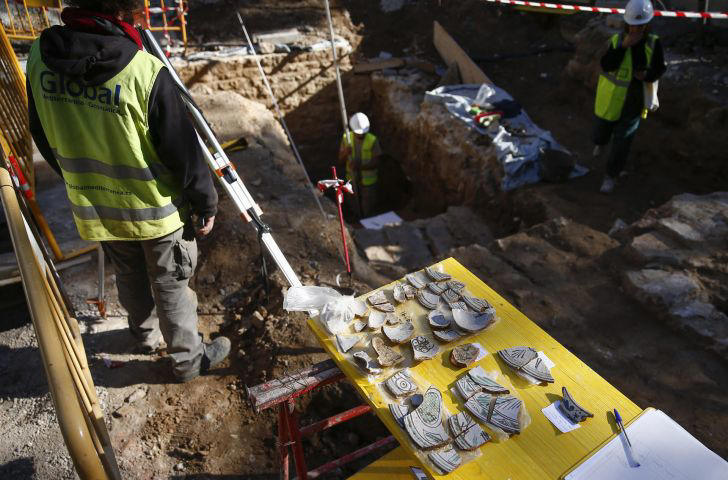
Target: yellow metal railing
x: 60, y: 344
x: 25, y: 19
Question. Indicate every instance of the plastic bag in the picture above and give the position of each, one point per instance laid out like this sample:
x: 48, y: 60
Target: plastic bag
x: 337, y: 310
x: 650, y: 95
x: 309, y: 298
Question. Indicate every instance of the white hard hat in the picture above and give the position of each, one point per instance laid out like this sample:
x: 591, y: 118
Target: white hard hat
x: 638, y: 12
x: 359, y: 123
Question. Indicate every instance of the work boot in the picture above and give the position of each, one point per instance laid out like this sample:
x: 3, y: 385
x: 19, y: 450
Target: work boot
x: 607, y: 185
x: 214, y: 353
x: 149, y: 343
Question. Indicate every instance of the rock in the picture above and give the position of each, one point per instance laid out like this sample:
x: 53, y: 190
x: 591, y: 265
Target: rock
x: 650, y: 247
x: 661, y: 289
x: 266, y: 48
x: 681, y: 231
x: 257, y: 320
x: 179, y: 467
x: 263, y: 311
x: 705, y: 321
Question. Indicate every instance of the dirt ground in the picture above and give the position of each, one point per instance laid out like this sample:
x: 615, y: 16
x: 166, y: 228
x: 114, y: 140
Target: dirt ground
x: 206, y: 429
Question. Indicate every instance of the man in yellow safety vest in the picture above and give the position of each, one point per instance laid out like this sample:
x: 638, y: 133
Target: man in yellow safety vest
x: 633, y: 59
x: 107, y: 117
x: 361, y: 151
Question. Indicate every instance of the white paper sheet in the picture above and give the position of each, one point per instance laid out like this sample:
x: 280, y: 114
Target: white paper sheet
x: 378, y: 221
x: 663, y: 449
x: 482, y: 352
x: 557, y: 417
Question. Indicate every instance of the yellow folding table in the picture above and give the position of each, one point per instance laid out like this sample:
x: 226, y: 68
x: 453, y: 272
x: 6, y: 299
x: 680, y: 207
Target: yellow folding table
x: 540, y: 451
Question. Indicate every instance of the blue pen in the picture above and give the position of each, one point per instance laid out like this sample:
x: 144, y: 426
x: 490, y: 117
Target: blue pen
x: 618, y: 418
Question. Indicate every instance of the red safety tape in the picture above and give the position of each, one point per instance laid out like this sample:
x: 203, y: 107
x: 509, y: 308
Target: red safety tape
x: 580, y: 8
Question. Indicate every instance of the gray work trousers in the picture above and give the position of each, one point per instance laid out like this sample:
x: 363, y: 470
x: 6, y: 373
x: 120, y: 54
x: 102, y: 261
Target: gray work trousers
x: 153, y: 273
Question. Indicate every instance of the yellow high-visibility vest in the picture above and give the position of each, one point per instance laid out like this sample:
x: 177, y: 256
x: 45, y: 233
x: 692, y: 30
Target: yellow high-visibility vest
x: 118, y: 187
x: 369, y: 176
x: 612, y: 86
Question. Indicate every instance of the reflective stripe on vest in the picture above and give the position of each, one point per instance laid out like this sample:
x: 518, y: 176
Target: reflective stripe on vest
x: 612, y: 87
x: 368, y: 176
x: 118, y: 187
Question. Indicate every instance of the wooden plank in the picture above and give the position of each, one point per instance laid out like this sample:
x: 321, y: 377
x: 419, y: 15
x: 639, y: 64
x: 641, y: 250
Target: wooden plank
x: 451, y: 52
x: 378, y: 64
x: 540, y: 451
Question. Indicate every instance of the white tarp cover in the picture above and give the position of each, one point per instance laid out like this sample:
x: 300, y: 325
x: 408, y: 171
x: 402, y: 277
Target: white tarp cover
x: 519, y: 155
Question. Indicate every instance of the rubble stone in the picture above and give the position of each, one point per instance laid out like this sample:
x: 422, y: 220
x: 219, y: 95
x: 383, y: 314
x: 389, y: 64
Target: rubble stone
x: 660, y: 288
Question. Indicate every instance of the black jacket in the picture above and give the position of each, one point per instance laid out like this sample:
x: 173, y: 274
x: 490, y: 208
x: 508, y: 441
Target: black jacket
x: 634, y: 103
x: 94, y: 58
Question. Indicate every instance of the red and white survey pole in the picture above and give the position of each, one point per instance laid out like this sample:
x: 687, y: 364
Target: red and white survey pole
x: 341, y: 187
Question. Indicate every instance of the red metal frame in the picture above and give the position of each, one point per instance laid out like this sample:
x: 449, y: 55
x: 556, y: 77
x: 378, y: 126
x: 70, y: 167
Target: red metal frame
x: 283, y: 392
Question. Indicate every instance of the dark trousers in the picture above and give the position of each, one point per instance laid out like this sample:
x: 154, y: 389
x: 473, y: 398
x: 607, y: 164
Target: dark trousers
x: 621, y: 133
x: 155, y: 273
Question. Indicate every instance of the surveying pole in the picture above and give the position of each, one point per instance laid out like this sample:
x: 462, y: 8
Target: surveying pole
x: 223, y: 168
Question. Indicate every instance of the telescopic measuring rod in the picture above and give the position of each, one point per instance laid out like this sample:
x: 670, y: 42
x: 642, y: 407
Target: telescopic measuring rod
x: 221, y: 166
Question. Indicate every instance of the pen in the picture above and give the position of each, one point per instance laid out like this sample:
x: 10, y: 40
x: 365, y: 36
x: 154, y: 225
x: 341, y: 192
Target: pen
x: 618, y: 418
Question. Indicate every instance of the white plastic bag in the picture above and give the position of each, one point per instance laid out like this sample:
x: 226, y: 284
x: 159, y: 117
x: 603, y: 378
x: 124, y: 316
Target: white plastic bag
x: 650, y: 91
x: 337, y: 310
x: 306, y: 299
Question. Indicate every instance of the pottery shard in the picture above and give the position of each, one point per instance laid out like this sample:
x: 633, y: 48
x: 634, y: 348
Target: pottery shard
x: 416, y: 280
x: 377, y: 298
x: 457, y: 305
x: 386, y: 355
x: 366, y: 363
x: 424, y: 348
x: 472, y: 438
x: 438, y: 320
x: 455, y: 286
x: 399, y: 333
x: 358, y: 307
x: 436, y: 275
x: 464, y: 355
x: 526, y: 359
x: 447, y: 335
x: 424, y: 424
x: 384, y: 307
x: 501, y: 411
x: 398, y: 412
x: 450, y: 296
x: 571, y: 409
x: 478, y: 375
x: 347, y: 341
x: 471, y: 322
x: 359, y: 325
x: 427, y: 299
x: 398, y: 293
x: 376, y: 319
x: 409, y: 291
x: 436, y: 288
x: 477, y: 304
x: 446, y: 460
x: 401, y: 384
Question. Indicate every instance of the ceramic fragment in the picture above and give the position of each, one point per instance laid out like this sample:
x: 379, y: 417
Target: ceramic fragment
x: 409, y: 291
x: 471, y: 322
x: 450, y: 296
x: 436, y: 288
x: 455, y: 286
x: 460, y: 423
x: 437, y: 275
x: 384, y: 307
x: 416, y: 400
x: 416, y: 280
x: 457, y: 305
x: 366, y: 363
x: 571, y: 409
x: 526, y: 359
x: 377, y: 298
x: 501, y: 411
x: 386, y: 355
x: 445, y: 460
x: 401, y: 384
x: 424, y: 348
x: 399, y: 333
x: 359, y: 325
x: 472, y: 438
x: 447, y: 335
x: 376, y: 319
x: 486, y: 383
x: 464, y: 355
x: 392, y: 319
x: 466, y: 387
x: 398, y: 293
x: 438, y: 320
x: 424, y: 424
x: 398, y: 412
x: 345, y: 342
x: 477, y: 304
x: 358, y: 307
x: 427, y: 299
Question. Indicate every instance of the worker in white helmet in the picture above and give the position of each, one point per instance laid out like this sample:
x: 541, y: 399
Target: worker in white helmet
x: 361, y: 151
x: 634, y: 57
